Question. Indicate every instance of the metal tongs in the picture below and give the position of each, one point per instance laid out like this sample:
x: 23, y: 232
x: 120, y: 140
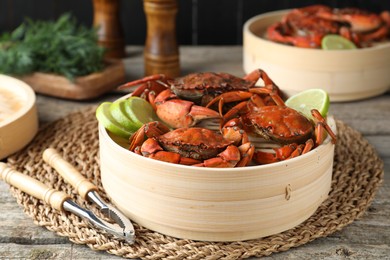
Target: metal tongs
x: 61, y: 201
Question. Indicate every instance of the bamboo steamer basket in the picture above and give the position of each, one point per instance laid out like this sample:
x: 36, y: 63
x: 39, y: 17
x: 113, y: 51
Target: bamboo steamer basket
x: 18, y: 127
x: 346, y: 75
x: 215, y: 204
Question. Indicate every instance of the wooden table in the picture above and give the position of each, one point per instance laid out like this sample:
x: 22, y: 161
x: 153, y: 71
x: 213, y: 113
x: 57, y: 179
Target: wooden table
x: 367, y: 238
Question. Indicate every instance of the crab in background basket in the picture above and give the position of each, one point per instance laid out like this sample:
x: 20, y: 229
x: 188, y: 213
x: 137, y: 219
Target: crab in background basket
x: 306, y: 27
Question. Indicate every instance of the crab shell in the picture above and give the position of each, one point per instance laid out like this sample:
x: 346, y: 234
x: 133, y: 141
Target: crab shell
x: 197, y: 143
x: 304, y: 21
x: 280, y: 124
x: 201, y: 87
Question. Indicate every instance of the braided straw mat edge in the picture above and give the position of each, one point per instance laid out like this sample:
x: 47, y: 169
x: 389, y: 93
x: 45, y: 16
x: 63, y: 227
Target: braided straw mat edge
x: 357, y: 174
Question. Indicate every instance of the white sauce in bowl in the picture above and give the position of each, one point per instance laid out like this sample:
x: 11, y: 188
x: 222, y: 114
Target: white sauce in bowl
x: 9, y: 103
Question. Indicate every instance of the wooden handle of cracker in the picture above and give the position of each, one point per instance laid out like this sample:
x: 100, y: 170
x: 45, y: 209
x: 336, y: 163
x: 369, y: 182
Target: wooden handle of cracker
x: 33, y: 187
x: 68, y: 172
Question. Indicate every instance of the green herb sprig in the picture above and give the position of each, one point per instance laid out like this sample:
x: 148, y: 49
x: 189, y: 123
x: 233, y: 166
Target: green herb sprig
x: 60, y: 47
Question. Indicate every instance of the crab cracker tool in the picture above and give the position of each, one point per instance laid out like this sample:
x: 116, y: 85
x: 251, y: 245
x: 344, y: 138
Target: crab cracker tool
x: 88, y: 191
x: 62, y: 202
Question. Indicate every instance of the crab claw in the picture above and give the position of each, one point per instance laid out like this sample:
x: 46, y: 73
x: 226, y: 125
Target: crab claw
x: 143, y: 80
x: 152, y: 149
x: 246, y: 150
x: 280, y: 154
x: 178, y: 113
x: 227, y: 158
x: 151, y: 129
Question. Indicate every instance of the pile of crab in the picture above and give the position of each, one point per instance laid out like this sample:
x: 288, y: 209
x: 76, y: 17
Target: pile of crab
x: 305, y: 27
x: 239, y: 111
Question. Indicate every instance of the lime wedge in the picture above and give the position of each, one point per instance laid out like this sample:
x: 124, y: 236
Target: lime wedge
x: 140, y: 111
x: 336, y: 42
x: 310, y: 99
x: 104, y: 117
x: 118, y: 112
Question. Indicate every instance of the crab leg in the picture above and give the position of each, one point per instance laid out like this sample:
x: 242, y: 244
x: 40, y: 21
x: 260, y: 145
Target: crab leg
x: 273, y: 94
x: 227, y: 158
x: 380, y: 33
x: 308, y: 146
x: 233, y: 96
x: 283, y: 153
x: 247, y: 151
x: 234, y: 111
x: 280, y: 154
x: 152, y: 149
x: 320, y: 126
x: 229, y: 97
x: 232, y: 131
x: 148, y: 130
x: 241, y: 107
x: 143, y: 80
x: 149, y: 88
x: 149, y: 91
x: 257, y: 74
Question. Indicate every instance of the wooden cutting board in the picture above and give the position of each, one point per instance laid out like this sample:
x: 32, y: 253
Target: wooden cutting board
x: 82, y: 88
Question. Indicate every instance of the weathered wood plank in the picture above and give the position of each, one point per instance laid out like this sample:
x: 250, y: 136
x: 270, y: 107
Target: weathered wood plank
x: 327, y: 249
x: 51, y: 251
x: 366, y: 238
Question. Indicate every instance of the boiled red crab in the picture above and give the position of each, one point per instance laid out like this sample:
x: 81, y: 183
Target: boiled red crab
x: 360, y: 26
x: 278, y: 123
x: 172, y: 110
x: 198, y: 87
x: 305, y: 27
x: 302, y: 27
x: 175, y: 100
x: 189, y: 146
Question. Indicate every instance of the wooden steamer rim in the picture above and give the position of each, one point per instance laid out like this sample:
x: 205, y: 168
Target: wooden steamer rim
x: 216, y: 204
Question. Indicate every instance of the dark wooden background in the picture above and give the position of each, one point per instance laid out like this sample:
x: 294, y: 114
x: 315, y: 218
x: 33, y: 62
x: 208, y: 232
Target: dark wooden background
x: 199, y: 22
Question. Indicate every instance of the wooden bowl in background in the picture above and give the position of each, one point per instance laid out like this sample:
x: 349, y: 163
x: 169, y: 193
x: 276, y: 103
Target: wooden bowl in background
x: 18, y: 115
x: 82, y: 88
x: 345, y: 74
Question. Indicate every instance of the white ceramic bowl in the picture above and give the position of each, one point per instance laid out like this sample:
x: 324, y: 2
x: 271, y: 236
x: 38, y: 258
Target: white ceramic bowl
x: 345, y: 74
x: 18, y: 115
x: 215, y: 204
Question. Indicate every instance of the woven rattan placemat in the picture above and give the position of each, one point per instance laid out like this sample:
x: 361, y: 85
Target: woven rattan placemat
x: 357, y: 174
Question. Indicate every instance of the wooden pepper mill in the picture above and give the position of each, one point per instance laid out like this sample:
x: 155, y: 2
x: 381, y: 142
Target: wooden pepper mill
x: 161, y: 53
x: 110, y: 32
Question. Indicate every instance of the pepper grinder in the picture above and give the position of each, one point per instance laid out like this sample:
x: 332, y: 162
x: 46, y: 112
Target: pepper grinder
x: 161, y: 53
x: 109, y: 28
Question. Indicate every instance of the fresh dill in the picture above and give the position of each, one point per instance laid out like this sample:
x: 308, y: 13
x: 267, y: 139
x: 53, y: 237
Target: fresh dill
x: 61, y: 47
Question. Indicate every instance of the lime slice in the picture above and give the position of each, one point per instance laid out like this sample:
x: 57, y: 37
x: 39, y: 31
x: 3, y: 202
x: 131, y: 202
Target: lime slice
x: 336, y: 42
x: 118, y: 112
x: 140, y: 111
x: 104, y: 117
x: 310, y: 99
